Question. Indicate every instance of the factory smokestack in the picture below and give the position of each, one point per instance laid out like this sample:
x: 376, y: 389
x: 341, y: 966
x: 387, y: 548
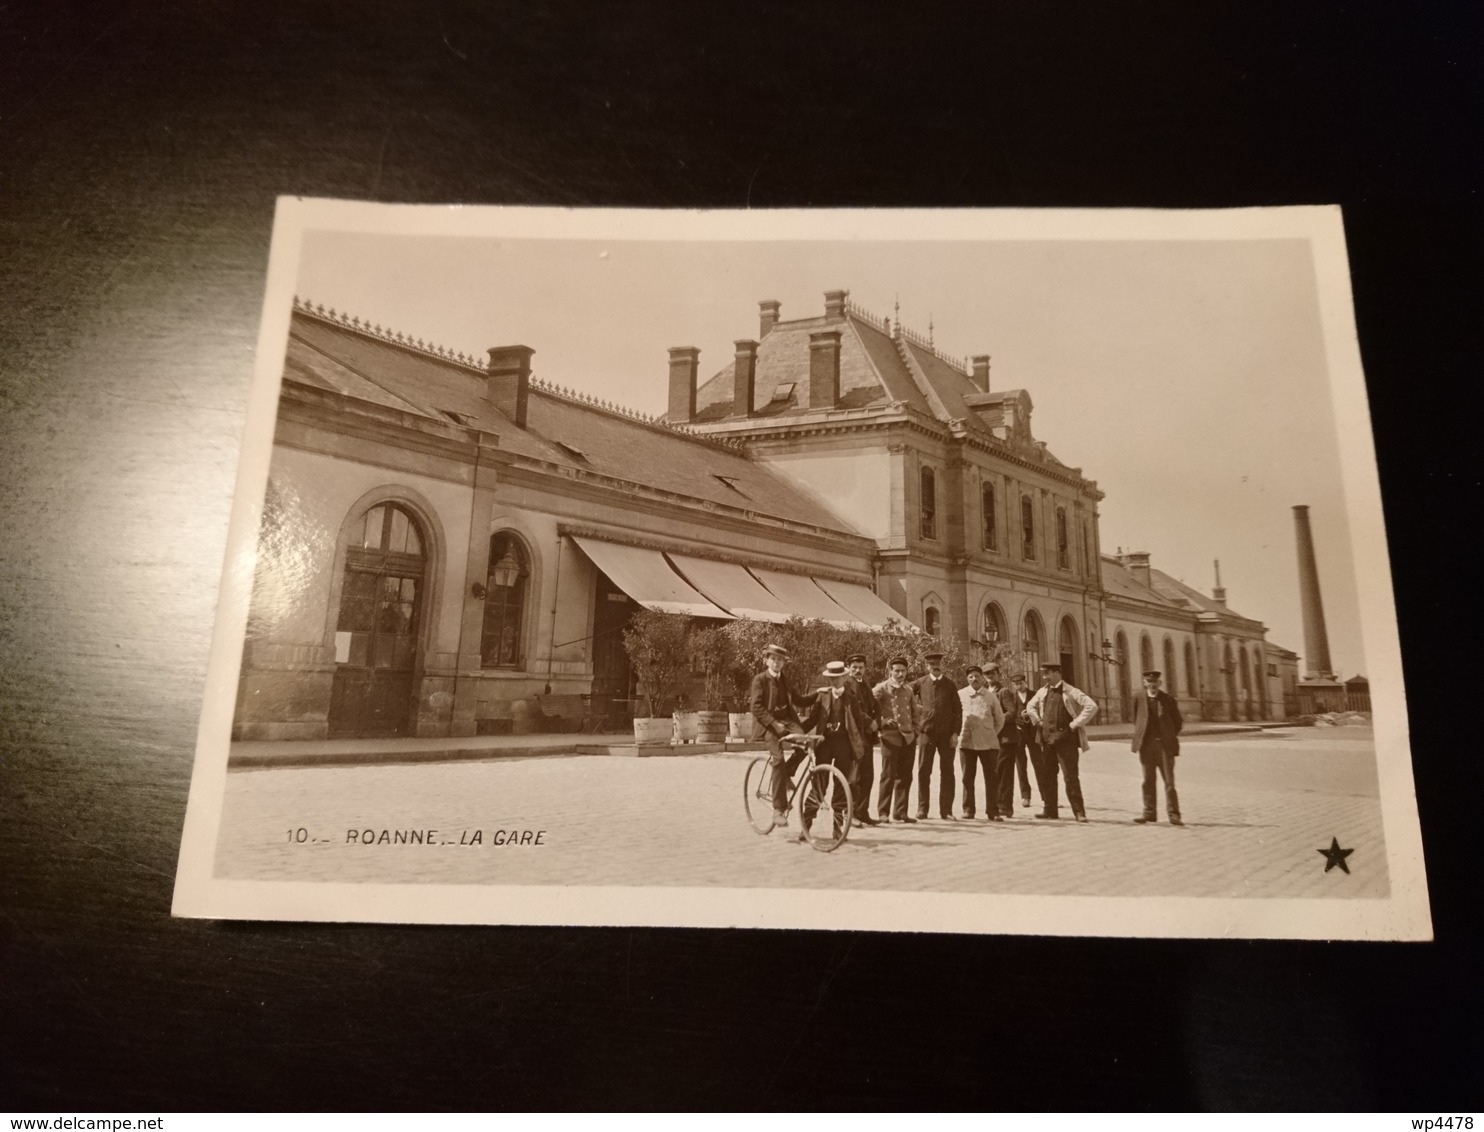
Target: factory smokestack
x: 1316, y: 640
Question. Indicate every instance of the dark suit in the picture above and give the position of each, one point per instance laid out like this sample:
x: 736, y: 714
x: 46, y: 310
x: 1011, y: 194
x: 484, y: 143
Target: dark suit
x: 775, y: 708
x: 843, y: 721
x: 865, y: 766
x: 1157, y: 725
x: 943, y: 715
x: 1012, y: 753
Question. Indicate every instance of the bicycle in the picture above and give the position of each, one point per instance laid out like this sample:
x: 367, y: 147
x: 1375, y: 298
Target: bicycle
x: 826, y: 786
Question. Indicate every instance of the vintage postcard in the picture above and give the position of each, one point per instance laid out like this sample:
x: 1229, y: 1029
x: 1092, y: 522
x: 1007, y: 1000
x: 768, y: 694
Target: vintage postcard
x: 1057, y: 535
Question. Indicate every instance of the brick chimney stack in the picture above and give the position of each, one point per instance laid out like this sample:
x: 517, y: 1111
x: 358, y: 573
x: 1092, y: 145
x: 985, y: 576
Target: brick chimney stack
x: 685, y: 362
x: 980, y: 374
x: 824, y: 369
x: 1218, y: 591
x: 769, y: 311
x: 745, y: 380
x: 834, y: 305
x: 1138, y: 565
x: 1317, y: 664
x: 509, y: 382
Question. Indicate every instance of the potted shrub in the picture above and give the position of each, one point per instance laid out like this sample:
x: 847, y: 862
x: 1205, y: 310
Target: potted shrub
x: 710, y: 652
x: 657, y: 648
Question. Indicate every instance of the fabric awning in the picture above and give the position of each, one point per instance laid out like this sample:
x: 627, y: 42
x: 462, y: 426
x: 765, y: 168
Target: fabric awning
x: 647, y: 578
x: 861, y: 602
x: 801, y: 596
x: 731, y: 587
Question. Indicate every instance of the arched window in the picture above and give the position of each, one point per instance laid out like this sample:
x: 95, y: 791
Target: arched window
x: 990, y: 537
x: 994, y: 624
x: 1192, y: 681
x: 1146, y: 653
x: 930, y: 621
x: 1027, y: 528
x: 504, y: 602
x: 1229, y: 675
x: 376, y: 628
x: 1259, y: 673
x: 929, y: 493
x: 1246, y: 682
x: 1066, y: 648
x: 1032, y: 638
x: 1120, y: 655
x: 1172, y: 683
x: 1063, y: 540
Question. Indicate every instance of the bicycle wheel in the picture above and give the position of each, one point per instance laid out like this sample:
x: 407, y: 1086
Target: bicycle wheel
x: 827, y: 787
x: 757, y: 795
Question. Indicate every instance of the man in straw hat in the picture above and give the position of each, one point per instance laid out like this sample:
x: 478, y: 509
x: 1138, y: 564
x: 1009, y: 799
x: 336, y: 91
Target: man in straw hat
x: 775, y: 708
x: 1061, y: 714
x: 838, y: 714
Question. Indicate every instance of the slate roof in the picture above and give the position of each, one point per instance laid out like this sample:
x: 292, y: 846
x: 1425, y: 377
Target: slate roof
x: 332, y: 356
x: 877, y: 369
x: 1173, y: 590
x: 1164, y: 590
x: 1119, y: 580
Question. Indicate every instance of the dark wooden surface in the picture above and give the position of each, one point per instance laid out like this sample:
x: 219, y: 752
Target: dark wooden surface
x: 141, y: 147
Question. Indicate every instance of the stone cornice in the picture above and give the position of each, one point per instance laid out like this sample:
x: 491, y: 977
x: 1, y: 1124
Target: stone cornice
x: 758, y: 434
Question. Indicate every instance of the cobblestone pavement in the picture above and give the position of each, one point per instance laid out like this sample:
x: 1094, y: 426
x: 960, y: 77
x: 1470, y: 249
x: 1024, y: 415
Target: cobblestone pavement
x: 1257, y: 808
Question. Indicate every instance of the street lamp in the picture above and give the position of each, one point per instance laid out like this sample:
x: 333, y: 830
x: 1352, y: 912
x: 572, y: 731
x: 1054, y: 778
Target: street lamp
x: 1106, y: 657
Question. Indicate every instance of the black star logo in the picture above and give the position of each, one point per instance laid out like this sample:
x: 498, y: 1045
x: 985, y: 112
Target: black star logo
x: 1334, y: 855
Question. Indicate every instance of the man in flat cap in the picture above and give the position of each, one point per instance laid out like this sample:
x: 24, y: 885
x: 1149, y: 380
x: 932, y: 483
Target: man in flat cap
x: 900, y: 716
x: 1061, y: 714
x: 942, y: 717
x: 1157, y: 725
x: 775, y: 708
x: 865, y: 766
x: 979, y: 741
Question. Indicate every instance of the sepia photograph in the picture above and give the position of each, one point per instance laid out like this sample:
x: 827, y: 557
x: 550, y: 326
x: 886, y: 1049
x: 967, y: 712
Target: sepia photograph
x: 969, y: 571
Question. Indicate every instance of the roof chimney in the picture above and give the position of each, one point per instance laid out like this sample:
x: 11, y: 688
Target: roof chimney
x: 509, y: 383
x: 685, y: 361
x: 824, y: 369
x: 980, y: 374
x: 1137, y: 562
x: 1218, y: 591
x: 744, y: 381
x: 834, y: 305
x: 768, y: 312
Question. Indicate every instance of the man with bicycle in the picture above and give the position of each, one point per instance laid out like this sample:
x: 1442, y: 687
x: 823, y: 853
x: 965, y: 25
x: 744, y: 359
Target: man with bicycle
x: 775, y: 707
x: 839, y: 715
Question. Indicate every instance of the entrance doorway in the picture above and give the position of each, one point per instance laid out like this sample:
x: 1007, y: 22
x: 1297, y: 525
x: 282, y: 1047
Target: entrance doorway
x: 613, y: 675
x: 376, y: 631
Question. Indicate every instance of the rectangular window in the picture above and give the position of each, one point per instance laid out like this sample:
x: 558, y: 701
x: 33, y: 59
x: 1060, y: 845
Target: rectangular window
x: 1027, y: 528
x: 1063, y: 542
x: 1086, y: 549
x: 929, y: 484
x: 986, y: 505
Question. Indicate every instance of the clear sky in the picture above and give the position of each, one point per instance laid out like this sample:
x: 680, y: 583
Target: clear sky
x: 1186, y: 377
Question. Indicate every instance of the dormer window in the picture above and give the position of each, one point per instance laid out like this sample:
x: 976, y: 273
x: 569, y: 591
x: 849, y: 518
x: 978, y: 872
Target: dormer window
x: 783, y: 390
x: 730, y: 482
x: 576, y: 453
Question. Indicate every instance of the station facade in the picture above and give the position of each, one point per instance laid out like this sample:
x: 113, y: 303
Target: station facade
x: 444, y: 538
